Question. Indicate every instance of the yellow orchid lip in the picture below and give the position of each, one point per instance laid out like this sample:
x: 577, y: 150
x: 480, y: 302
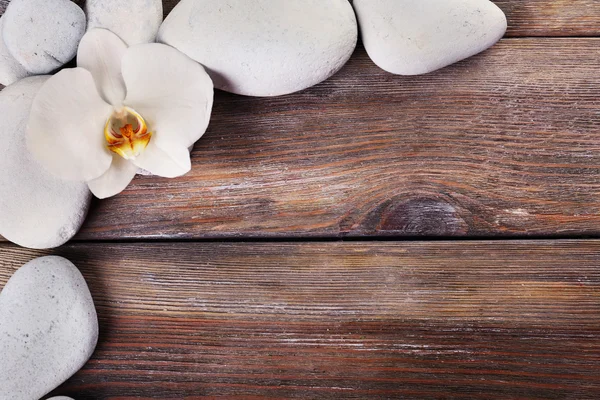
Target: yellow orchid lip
x: 126, y: 133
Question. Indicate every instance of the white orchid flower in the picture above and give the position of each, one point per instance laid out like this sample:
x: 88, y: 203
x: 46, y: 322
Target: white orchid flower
x: 120, y: 110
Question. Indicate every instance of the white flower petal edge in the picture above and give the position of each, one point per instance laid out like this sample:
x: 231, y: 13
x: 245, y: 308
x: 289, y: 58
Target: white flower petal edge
x: 65, y: 128
x: 168, y: 165
x: 100, y: 52
x: 173, y: 92
x: 115, y: 180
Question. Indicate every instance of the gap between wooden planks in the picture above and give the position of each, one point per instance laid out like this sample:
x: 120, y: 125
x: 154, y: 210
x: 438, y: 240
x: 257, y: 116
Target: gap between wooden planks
x: 490, y: 320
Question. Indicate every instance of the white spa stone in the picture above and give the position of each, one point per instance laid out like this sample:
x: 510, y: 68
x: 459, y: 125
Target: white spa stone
x: 134, y: 21
x: 10, y: 69
x: 411, y: 37
x: 48, y: 327
x: 60, y: 398
x: 43, y: 35
x: 264, y: 47
x: 37, y: 210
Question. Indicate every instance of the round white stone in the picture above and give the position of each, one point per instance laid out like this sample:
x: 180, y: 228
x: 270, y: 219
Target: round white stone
x: 48, y: 327
x: 411, y: 37
x: 10, y: 69
x: 37, y: 210
x: 134, y: 21
x: 60, y: 398
x: 43, y: 35
x: 264, y: 47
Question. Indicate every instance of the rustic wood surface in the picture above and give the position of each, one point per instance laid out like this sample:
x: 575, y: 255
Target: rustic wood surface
x: 505, y: 143
x: 487, y: 320
x: 551, y: 17
x: 197, y: 300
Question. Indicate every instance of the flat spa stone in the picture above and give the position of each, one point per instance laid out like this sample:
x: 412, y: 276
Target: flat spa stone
x: 10, y: 69
x: 411, y: 37
x: 43, y: 35
x: 37, y: 210
x: 134, y: 21
x: 60, y: 398
x: 264, y: 47
x: 48, y: 327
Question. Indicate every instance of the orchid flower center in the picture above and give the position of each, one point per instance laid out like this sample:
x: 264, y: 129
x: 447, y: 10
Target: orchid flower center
x: 126, y: 133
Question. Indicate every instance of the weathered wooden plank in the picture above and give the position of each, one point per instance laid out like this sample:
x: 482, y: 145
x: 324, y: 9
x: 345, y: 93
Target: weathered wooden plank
x: 551, y: 17
x: 490, y: 320
x: 506, y: 143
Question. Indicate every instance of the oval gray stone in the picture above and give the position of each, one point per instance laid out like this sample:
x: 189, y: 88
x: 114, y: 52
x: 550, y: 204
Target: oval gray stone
x: 134, y: 21
x: 37, y: 210
x: 43, y: 35
x: 411, y: 37
x: 264, y: 47
x: 48, y: 327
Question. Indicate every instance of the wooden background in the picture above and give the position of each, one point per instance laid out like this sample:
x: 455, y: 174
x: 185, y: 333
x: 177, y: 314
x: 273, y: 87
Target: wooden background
x: 374, y: 236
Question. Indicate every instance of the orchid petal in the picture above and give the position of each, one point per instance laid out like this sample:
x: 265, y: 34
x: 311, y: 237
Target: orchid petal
x: 171, y: 91
x: 65, y: 128
x: 115, y: 180
x: 166, y: 163
x: 100, y: 52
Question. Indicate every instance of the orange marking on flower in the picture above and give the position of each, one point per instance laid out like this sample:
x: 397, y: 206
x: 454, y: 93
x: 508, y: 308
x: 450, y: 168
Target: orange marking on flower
x: 133, y: 136
x: 127, y: 131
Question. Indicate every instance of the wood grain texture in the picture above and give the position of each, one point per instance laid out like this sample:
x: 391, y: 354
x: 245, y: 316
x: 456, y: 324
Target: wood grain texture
x: 506, y: 143
x: 551, y: 17
x: 488, y: 320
